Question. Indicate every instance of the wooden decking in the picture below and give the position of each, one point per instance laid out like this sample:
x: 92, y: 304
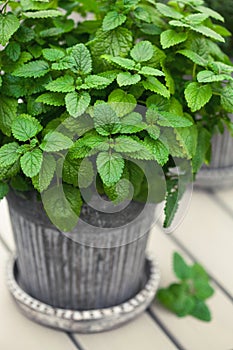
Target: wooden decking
x: 206, y: 236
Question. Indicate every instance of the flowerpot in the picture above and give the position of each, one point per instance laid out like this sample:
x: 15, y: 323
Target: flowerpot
x: 220, y: 171
x: 72, y: 274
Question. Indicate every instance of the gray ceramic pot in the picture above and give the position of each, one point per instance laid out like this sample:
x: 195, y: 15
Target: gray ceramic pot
x: 220, y: 171
x: 68, y: 274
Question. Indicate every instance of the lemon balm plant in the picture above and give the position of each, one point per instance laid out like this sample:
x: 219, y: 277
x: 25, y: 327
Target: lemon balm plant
x: 97, y: 103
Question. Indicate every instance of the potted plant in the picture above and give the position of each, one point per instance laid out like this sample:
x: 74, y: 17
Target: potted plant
x: 89, y: 110
x: 219, y: 170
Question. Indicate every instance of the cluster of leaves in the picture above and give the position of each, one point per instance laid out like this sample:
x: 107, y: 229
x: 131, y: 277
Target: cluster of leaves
x: 69, y: 92
x: 188, y: 297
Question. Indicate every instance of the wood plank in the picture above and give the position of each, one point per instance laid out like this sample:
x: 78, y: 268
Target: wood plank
x: 207, y: 231
x: 19, y: 333
x: 141, y: 333
x: 191, y: 333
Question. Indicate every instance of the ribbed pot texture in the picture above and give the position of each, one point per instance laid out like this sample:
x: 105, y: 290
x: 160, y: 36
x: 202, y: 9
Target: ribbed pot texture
x: 67, y: 274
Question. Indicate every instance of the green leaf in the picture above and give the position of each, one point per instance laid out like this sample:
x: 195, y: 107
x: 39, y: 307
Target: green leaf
x: 206, y: 31
x: 116, y: 42
x: 187, y: 138
x: 110, y: 167
x: 63, y: 206
x: 33, y: 69
x: 197, y: 95
x: 8, y: 109
x: 201, y: 311
x: 105, y: 119
x: 203, y: 144
x: 172, y: 202
x: 122, y: 102
x: 126, y: 144
x: 170, y: 38
x: 113, y: 20
x: 207, y: 76
x: 153, y: 84
x: 77, y: 103
x: 13, y: 51
x: 9, y: 24
x: 62, y: 84
x: 142, y: 14
x: 203, y: 290
x: 53, y: 55
x: 96, y: 82
x: 55, y: 141
x: 132, y: 123
x: 194, y: 57
x: 151, y: 71
x: 211, y: 13
x: 85, y: 174
x: 4, y: 189
x: 46, y: 174
x: 142, y: 51
x: 82, y: 58
x: 65, y: 63
x: 173, y: 121
x: 24, y: 127
x: 158, y: 149
x: 42, y: 14
x: 227, y: 98
x: 70, y: 171
x: 31, y: 162
x: 199, y: 273
x: 181, y: 269
x: 120, y: 61
x: 168, y: 11
x: 8, y: 154
x: 52, y: 99
x: 196, y: 18
x: 126, y: 79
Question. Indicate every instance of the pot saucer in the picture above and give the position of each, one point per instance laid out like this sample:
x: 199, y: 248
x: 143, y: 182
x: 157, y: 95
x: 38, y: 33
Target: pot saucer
x: 89, y: 321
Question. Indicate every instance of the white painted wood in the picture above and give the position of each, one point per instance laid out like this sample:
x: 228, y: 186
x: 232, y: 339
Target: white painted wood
x: 19, y: 333
x: 140, y: 334
x: 191, y: 333
x: 226, y: 197
x: 5, y: 225
x: 207, y: 231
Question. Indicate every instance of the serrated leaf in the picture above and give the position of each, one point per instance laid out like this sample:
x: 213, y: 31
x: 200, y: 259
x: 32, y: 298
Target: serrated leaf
x: 8, y: 154
x: 181, y: 269
x: 8, y: 109
x: 170, y: 38
x: 201, y: 311
x: 4, y: 189
x: 202, y: 288
x: 77, y: 103
x: 210, y: 13
x: 96, y: 82
x: 158, y: 149
x: 24, y: 127
x: 122, y: 102
x: 206, y: 31
x: 116, y: 42
x: 126, y: 79
x: 187, y: 138
x: 113, y: 20
x: 42, y: 14
x: 168, y: 11
x: 13, y: 51
x: 63, y: 206
x: 105, y: 119
x: 227, y: 98
x: 31, y: 162
x: 126, y: 144
x: 110, y: 167
x: 207, y: 76
x: 132, y: 123
x: 197, y: 95
x: 85, y: 174
x: 120, y: 61
x: 33, y: 69
x: 153, y: 84
x: 221, y: 68
x: 82, y: 58
x: 172, y: 202
x: 70, y: 171
x: 65, y: 63
x: 142, y: 51
x: 203, y: 144
x: 55, y: 141
x: 9, y: 24
x: 151, y: 71
x: 194, y: 57
x: 52, y: 99
x: 46, y: 174
x: 196, y: 18
x: 53, y: 55
x: 61, y: 84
